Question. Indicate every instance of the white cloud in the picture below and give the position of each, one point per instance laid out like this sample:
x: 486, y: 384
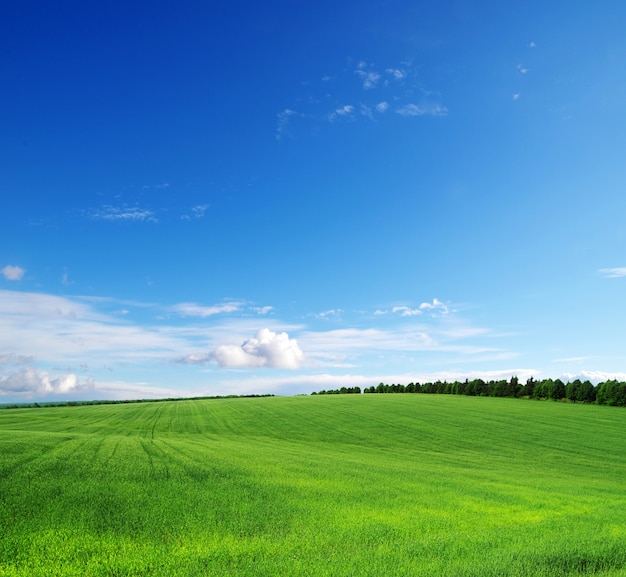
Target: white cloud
x: 406, y: 311
x: 263, y: 310
x: 382, y: 106
x: 266, y: 349
x: 61, y: 330
x: 399, y: 83
x: 284, y: 118
x: 435, y: 306
x: 161, y: 186
x: 370, y: 79
x: 396, y: 73
x: 11, y: 272
x: 331, y: 313
x: 123, y: 214
x: 13, y: 359
x: 422, y: 110
x: 197, y: 212
x: 594, y: 376
x: 343, y: 111
x: 516, y: 96
x: 194, y: 310
x: 618, y: 272
x: 340, y: 343
x: 32, y: 381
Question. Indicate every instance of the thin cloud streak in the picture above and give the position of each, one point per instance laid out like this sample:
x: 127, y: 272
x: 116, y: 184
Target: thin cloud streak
x: 618, y: 272
x: 123, y: 214
x: 195, y: 310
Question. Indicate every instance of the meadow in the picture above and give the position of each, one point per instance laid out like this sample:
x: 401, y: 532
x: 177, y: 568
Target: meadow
x: 340, y: 485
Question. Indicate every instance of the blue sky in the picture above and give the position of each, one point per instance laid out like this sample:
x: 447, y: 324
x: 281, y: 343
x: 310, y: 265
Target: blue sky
x: 234, y: 197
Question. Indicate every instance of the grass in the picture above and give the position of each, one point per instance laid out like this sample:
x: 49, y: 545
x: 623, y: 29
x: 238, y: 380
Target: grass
x: 354, y: 485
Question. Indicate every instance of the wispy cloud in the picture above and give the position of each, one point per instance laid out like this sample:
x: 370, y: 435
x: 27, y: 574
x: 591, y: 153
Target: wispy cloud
x: 329, y: 314
x: 617, y: 272
x: 162, y: 186
x: 97, y: 343
x: 370, y: 90
x: 342, y: 112
x: 284, y: 120
x: 396, y: 73
x: 262, y: 310
x: 195, y: 310
x: 422, y: 110
x: 369, y: 78
x: 13, y: 359
x: 13, y: 273
x: 123, y: 214
x: 196, y: 212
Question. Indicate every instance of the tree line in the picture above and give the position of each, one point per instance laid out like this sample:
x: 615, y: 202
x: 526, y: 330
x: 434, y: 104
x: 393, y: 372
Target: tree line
x: 40, y: 404
x: 612, y: 392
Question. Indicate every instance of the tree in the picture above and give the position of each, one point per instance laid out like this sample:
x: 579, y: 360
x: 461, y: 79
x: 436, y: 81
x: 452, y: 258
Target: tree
x: 557, y: 391
x: 586, y: 392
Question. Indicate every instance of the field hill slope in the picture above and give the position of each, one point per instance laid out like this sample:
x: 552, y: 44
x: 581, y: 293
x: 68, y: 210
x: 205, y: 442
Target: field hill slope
x: 354, y: 485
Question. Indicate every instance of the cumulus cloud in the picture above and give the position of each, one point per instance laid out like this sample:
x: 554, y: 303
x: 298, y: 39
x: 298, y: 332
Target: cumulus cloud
x: 266, y: 349
x: 29, y: 380
x: 11, y: 272
x: 382, y: 106
x: 594, y: 376
x: 618, y: 272
x: 435, y: 306
x: 194, y: 310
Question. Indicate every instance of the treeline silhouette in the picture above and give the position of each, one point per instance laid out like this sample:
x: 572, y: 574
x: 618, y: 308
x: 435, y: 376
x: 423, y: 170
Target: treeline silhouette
x: 612, y: 392
x: 36, y: 405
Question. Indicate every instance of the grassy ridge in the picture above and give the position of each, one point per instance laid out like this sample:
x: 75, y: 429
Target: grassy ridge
x: 322, y: 486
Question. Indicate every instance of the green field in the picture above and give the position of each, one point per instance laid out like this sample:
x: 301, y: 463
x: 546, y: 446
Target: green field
x: 341, y: 485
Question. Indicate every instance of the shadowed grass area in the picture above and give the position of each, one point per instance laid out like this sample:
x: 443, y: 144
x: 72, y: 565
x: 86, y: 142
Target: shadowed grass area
x: 351, y: 485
